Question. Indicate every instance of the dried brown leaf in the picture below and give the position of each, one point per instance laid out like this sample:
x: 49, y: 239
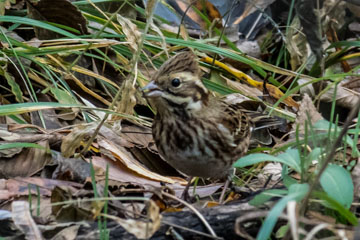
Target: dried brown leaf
x: 5, y: 4
x: 10, y: 152
x: 245, y: 89
x: 133, y: 35
x: 128, y: 99
x: 69, y: 233
x: 133, y: 135
x: 307, y: 112
x: 70, y: 169
x: 345, y: 97
x: 48, y: 116
x: 26, y: 163
x: 20, y: 186
x: 79, y: 135
x: 355, y: 9
x: 123, y: 158
x: 297, y: 45
x: 24, y: 221
x: 122, y: 174
x: 143, y: 229
x: 79, y: 211
x: 57, y: 11
x: 200, y: 191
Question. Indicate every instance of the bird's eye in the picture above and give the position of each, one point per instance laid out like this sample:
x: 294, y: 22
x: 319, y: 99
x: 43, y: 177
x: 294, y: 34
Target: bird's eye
x: 175, y: 82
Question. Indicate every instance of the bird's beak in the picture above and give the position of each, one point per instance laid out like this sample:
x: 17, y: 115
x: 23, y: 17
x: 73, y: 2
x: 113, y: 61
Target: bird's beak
x: 151, y: 90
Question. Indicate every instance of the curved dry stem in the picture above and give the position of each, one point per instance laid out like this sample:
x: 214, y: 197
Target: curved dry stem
x: 197, y: 213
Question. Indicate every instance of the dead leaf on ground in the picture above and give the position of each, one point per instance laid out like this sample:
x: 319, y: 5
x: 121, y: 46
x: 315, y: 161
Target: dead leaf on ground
x: 353, y: 84
x: 70, y: 169
x: 272, y: 171
x: 345, y: 97
x: 28, y: 162
x: 121, y: 173
x: 69, y: 233
x: 25, y: 133
x: 201, y: 191
x: 46, y: 118
x: 142, y: 229
x: 115, y: 134
x: 9, y: 152
x: 132, y: 134
x: 41, y: 208
x: 57, y: 11
x: 143, y: 147
x: 123, y: 158
x: 6, y: 4
x: 243, y: 88
x: 250, y: 48
x: 76, y: 138
x: 354, y: 8
x: 307, y: 113
x: 24, y: 221
x: 70, y: 212
x: 22, y: 186
x: 321, y: 217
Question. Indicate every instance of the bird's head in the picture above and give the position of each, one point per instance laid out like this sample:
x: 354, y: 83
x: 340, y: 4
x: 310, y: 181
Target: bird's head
x: 177, y: 85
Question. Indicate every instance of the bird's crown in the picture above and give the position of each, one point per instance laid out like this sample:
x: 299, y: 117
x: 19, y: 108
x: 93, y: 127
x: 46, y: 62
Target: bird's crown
x: 177, y: 83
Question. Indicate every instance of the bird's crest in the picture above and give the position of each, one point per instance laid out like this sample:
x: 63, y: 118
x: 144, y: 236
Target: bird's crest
x: 182, y: 62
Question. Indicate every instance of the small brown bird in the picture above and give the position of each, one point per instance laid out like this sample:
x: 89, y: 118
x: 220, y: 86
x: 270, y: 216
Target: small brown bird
x: 195, y: 132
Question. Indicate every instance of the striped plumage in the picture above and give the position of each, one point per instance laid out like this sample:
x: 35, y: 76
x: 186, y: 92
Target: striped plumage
x: 196, y: 133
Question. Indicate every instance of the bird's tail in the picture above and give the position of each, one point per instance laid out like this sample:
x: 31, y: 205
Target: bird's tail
x: 263, y: 120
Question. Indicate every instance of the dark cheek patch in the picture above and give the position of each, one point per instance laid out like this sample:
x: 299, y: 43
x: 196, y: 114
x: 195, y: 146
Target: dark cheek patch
x: 201, y: 94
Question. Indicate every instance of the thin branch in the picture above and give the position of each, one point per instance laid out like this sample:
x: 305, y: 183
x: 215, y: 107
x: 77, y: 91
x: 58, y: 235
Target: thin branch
x: 197, y: 213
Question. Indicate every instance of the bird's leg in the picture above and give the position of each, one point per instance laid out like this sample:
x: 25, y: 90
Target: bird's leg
x: 226, y: 185
x: 185, y: 195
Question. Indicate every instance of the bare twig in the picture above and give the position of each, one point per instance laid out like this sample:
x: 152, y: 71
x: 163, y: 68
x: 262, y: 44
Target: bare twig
x: 197, y: 213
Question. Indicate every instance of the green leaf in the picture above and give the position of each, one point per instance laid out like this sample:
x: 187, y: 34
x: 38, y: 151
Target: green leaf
x: 291, y: 158
x: 337, y: 183
x: 288, y: 181
x: 282, y: 231
x: 332, y: 203
x: 324, y: 126
x: 296, y: 192
x: 267, y: 195
x: 20, y: 108
x: 20, y: 145
x: 217, y: 87
x: 255, y: 158
x: 63, y: 96
x: 79, y: 3
x: 36, y: 23
x: 15, y: 88
x: 314, y: 155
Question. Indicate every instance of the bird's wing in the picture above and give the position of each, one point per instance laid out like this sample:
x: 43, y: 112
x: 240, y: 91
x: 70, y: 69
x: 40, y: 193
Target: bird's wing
x: 238, y: 122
